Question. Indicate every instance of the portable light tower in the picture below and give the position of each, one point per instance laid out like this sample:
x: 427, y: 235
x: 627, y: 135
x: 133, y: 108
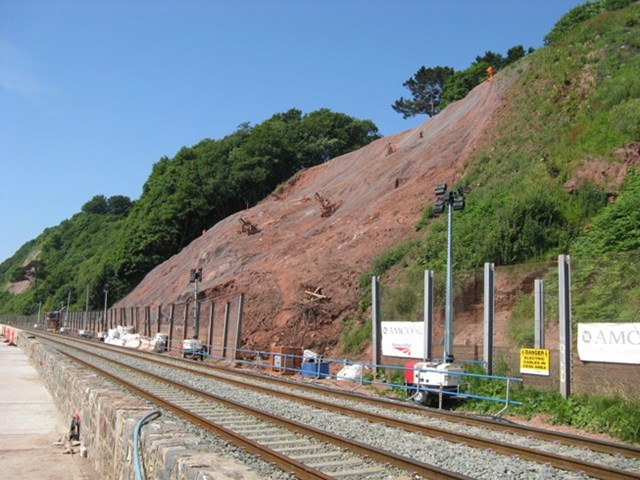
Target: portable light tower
x: 454, y: 200
x: 431, y: 379
x: 192, y: 347
x: 194, y: 277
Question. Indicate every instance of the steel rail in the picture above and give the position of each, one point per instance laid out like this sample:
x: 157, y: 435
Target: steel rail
x: 285, y: 463
x: 597, y: 445
x: 603, y: 446
x: 539, y: 456
x: 288, y: 464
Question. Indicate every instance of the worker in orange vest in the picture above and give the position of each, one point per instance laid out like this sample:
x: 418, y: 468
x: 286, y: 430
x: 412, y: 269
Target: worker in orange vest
x: 490, y: 73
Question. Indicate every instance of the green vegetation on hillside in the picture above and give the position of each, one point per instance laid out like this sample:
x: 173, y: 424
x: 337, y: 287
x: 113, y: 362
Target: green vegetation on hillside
x: 573, y: 105
x: 115, y: 241
x: 578, y: 15
x: 72, y: 255
x: 574, y: 102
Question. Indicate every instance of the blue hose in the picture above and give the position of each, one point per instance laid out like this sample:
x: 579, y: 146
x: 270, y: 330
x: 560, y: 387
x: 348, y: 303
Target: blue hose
x: 136, y: 439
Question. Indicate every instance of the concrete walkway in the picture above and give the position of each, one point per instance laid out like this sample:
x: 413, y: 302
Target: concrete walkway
x: 30, y: 424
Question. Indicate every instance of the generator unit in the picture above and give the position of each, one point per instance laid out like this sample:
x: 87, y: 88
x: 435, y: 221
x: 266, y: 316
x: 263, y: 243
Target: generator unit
x: 426, y: 381
x: 192, y: 348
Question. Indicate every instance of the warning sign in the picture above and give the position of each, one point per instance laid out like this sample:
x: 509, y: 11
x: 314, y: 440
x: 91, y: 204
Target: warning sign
x: 534, y: 361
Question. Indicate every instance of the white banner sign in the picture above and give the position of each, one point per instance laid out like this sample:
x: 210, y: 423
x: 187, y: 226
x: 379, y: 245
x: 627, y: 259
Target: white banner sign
x: 403, y: 339
x: 609, y: 342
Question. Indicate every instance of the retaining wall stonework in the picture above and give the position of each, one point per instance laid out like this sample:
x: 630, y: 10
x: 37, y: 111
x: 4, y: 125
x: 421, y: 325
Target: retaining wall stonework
x: 108, y: 420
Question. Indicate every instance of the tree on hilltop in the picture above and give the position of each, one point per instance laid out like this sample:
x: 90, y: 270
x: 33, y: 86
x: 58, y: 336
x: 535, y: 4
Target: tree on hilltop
x: 434, y: 88
x: 426, y: 87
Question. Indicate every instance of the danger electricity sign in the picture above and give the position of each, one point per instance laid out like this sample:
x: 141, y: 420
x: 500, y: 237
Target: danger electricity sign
x: 534, y: 361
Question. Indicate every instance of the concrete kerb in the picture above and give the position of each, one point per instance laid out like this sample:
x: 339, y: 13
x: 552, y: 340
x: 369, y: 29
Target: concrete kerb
x: 108, y: 419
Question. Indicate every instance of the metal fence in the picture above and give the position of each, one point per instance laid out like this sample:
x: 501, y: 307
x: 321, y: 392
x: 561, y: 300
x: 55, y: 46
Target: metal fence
x: 217, y: 326
x: 604, y: 289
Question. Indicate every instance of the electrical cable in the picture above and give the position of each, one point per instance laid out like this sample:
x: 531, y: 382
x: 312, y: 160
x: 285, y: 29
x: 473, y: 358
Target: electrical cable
x: 136, y: 436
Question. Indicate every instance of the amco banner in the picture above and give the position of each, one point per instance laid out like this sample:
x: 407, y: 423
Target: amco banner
x: 403, y: 339
x: 609, y: 342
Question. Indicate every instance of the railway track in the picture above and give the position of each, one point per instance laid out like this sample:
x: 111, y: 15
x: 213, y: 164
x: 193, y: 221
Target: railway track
x: 386, y: 413
x: 306, y: 451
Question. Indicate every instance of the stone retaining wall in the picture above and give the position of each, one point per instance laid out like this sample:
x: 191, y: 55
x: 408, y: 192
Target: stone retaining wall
x: 108, y: 420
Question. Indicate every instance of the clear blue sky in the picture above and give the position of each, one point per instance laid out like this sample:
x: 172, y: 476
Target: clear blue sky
x: 93, y: 93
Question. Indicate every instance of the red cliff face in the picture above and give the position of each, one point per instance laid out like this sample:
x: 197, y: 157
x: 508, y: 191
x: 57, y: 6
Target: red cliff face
x: 300, y: 271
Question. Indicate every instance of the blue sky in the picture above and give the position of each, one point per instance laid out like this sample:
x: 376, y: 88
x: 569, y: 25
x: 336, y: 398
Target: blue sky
x: 93, y: 93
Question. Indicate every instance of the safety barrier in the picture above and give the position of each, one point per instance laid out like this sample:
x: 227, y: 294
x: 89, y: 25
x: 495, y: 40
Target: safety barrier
x: 9, y: 333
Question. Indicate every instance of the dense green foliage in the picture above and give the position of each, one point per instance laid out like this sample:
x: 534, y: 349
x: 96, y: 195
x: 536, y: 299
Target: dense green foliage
x: 72, y: 258
x: 617, y: 228
x: 578, y: 15
x: 605, y: 288
x: 208, y: 182
x: 115, y: 241
x: 101, y: 205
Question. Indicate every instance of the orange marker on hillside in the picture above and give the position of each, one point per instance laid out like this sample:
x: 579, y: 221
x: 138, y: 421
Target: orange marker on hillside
x: 490, y: 73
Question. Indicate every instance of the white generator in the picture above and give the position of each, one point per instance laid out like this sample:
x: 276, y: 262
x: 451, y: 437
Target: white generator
x: 428, y: 380
x: 192, y: 348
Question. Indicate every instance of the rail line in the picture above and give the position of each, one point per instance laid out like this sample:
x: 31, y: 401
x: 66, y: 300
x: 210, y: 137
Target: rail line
x: 307, y: 452
x: 225, y: 374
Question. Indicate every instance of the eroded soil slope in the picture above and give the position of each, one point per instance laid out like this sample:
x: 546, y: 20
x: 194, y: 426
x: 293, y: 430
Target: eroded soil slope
x: 379, y: 196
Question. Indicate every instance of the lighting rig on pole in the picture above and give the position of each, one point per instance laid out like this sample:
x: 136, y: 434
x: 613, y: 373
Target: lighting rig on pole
x: 192, y: 347
x: 431, y: 380
x: 194, y: 277
x: 454, y: 200
x: 39, y: 310
x: 104, y: 317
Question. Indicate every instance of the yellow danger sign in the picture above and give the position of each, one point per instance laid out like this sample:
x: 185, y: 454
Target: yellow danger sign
x: 534, y: 361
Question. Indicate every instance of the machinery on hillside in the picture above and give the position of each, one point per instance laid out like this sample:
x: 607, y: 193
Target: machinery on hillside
x: 248, y: 227
x: 327, y: 207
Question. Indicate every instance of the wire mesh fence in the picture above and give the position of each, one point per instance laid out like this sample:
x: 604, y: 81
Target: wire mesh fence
x: 603, y: 289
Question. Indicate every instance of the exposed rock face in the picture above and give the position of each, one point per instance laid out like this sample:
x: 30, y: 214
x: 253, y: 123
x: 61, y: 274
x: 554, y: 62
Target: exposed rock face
x: 606, y: 174
x: 15, y: 288
x: 377, y: 196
